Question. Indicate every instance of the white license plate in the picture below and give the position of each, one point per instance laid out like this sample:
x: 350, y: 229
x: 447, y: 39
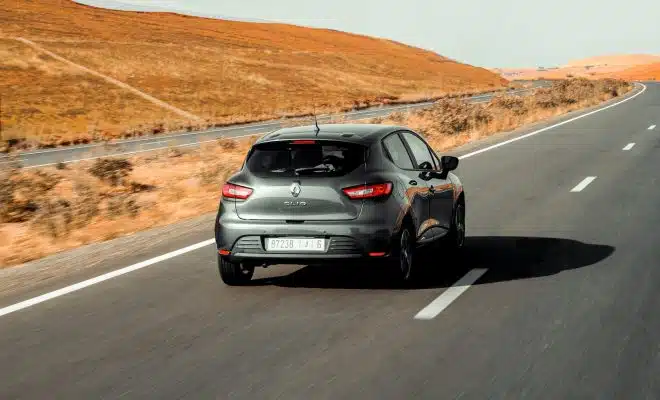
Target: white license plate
x: 295, y: 244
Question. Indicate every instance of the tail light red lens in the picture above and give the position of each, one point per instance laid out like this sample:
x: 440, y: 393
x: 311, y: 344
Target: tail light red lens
x: 304, y: 142
x: 232, y: 191
x: 369, y: 191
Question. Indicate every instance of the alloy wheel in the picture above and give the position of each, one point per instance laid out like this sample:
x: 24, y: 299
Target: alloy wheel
x: 460, y: 225
x: 406, y: 253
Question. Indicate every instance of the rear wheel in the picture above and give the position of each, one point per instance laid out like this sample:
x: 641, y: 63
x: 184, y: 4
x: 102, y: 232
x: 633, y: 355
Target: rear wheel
x: 455, y: 238
x: 234, y: 274
x: 404, y: 256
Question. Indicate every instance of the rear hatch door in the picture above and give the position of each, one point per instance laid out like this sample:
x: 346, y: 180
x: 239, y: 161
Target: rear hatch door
x: 302, y: 180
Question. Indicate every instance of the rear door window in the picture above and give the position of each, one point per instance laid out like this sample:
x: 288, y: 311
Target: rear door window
x: 398, y: 152
x: 305, y: 158
x: 419, y: 149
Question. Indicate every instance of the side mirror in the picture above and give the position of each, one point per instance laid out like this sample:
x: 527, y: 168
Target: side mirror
x: 426, y: 165
x: 449, y: 163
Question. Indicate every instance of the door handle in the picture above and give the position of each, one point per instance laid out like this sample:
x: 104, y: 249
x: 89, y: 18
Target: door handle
x: 431, y: 189
x: 413, y: 182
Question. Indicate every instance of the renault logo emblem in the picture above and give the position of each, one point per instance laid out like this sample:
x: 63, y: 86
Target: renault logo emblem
x: 295, y: 189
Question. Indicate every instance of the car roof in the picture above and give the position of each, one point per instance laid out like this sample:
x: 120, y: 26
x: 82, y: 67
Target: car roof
x: 355, y: 133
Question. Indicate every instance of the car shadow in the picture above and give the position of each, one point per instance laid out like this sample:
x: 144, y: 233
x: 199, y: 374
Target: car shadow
x: 506, y: 257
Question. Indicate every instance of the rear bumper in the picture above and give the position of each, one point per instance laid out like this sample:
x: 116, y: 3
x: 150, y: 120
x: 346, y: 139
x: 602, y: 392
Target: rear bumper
x: 347, y: 240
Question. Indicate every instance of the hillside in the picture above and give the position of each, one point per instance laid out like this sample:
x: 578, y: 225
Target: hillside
x: 648, y: 72
x: 220, y: 71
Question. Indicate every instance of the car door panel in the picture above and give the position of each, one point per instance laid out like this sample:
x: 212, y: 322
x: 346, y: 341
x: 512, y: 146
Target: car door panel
x: 442, y: 201
x: 416, y: 189
x: 440, y: 198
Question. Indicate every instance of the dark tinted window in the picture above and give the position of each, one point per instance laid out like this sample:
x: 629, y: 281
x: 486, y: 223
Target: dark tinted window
x: 323, y: 158
x: 398, y: 152
x: 419, y: 149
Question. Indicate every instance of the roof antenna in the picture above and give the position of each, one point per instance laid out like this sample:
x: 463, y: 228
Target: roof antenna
x: 316, y: 122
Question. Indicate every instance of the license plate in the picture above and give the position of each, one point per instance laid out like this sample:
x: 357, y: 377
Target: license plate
x: 295, y: 244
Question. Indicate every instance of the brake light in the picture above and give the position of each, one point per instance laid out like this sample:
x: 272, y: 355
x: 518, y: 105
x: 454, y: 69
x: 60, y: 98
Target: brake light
x: 232, y: 191
x: 369, y: 191
x: 304, y: 142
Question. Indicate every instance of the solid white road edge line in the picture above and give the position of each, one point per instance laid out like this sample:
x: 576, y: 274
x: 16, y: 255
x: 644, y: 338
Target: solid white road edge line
x: 652, y: 127
x: 93, y: 281
x: 628, y: 146
x: 81, y: 285
x: 585, y: 182
x: 448, y: 296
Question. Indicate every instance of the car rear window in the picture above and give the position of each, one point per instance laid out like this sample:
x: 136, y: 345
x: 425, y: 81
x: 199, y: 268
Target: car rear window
x: 312, y: 158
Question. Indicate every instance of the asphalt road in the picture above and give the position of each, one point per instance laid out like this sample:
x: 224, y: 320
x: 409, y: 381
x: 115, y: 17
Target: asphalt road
x: 567, y: 308
x: 155, y: 142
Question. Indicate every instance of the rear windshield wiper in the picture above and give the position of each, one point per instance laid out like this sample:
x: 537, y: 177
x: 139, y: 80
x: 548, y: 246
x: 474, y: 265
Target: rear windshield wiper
x: 320, y: 168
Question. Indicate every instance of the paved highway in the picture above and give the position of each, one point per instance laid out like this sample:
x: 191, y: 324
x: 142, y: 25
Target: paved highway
x: 155, y: 142
x: 563, y: 238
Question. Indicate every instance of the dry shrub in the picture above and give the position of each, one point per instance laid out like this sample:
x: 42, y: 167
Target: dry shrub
x: 513, y: 104
x: 86, y: 204
x: 452, y: 116
x: 227, y: 144
x: 111, y: 170
x: 121, y: 205
x: 54, y: 218
x: 60, y: 213
x: 21, y: 191
x: 214, y: 172
x: 575, y: 91
x: 174, y: 152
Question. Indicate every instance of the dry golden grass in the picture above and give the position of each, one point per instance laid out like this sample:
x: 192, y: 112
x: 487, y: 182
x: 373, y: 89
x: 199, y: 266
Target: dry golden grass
x: 223, y: 71
x: 43, y: 211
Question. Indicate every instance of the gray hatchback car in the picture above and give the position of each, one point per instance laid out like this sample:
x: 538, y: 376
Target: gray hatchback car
x: 334, y: 193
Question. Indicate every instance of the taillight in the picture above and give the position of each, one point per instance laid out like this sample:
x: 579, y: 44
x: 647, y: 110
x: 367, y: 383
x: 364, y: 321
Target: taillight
x: 304, y: 142
x: 232, y: 191
x: 368, y: 191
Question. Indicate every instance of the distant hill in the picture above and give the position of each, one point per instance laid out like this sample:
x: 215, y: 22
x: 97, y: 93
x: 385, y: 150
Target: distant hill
x: 617, y: 60
x: 647, y: 72
x: 119, y: 5
x: 222, y: 71
x: 591, y: 68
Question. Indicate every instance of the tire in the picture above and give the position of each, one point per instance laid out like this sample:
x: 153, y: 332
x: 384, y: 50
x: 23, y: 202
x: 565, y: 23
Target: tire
x: 404, y: 258
x: 455, y: 238
x: 234, y: 274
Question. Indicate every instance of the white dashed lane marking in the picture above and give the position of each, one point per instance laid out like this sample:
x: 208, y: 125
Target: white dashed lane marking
x: 585, y: 182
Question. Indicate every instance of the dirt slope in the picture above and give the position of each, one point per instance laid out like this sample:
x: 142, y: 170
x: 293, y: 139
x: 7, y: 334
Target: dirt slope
x: 221, y: 71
